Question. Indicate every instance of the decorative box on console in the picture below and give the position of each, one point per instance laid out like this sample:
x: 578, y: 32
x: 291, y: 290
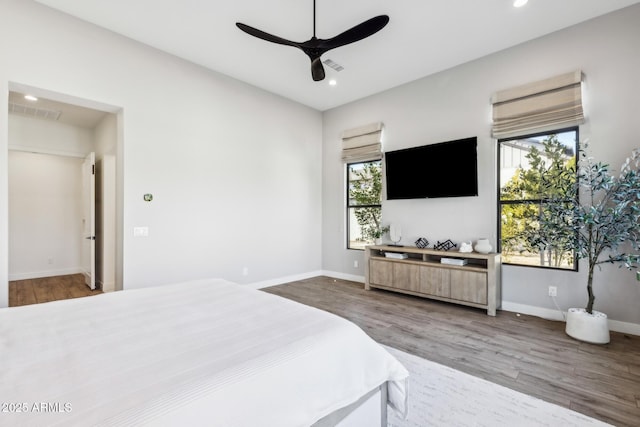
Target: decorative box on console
x: 454, y: 261
x: 396, y: 255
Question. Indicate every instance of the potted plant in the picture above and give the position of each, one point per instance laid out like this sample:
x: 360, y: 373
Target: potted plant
x: 599, y: 222
x: 377, y: 234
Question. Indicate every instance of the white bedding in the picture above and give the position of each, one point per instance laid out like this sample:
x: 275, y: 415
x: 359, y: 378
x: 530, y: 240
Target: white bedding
x: 134, y: 357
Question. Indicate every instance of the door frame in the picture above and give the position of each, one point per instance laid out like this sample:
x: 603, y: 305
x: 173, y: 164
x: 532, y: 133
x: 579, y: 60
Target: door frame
x: 5, y: 88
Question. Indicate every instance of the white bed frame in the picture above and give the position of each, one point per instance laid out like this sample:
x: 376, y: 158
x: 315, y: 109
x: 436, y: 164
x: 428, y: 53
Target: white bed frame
x: 369, y: 410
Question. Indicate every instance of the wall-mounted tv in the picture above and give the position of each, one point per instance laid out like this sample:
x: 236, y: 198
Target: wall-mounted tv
x: 446, y: 169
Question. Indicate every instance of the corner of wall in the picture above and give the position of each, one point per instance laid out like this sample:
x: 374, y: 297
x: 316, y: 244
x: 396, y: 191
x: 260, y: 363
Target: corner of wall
x: 4, y: 193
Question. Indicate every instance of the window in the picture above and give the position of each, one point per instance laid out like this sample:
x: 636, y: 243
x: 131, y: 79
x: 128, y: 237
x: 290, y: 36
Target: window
x: 532, y: 170
x: 364, y: 198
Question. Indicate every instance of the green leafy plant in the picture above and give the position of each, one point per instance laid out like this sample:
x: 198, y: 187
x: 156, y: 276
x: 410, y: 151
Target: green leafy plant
x: 601, y: 223
x: 365, y: 189
x: 380, y: 232
x: 551, y: 173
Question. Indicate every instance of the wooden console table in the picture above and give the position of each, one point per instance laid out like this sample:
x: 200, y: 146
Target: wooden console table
x: 422, y: 273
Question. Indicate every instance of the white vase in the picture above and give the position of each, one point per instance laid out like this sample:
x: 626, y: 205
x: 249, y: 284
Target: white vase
x: 483, y: 246
x: 592, y: 328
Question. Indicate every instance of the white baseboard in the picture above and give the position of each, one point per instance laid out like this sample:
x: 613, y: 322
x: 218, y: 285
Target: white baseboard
x: 546, y: 313
x: 281, y: 280
x: 40, y: 274
x: 343, y: 276
x: 303, y: 276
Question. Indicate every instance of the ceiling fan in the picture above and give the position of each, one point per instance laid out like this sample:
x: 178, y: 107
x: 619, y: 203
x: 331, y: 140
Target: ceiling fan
x: 315, y: 47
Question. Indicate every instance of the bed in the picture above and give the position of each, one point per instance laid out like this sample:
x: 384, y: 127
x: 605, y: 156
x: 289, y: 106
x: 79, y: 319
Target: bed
x: 207, y: 352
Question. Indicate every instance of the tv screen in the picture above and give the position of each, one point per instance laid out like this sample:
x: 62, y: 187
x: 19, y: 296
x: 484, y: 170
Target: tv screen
x: 447, y: 169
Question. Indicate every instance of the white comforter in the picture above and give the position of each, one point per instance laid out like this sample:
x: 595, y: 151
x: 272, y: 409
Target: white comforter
x: 210, y: 352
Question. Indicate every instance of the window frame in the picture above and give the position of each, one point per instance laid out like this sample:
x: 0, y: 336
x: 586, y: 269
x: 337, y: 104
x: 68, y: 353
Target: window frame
x: 350, y: 206
x: 539, y: 201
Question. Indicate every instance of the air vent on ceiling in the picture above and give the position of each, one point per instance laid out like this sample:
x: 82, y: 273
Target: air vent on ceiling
x: 30, y: 111
x: 332, y: 64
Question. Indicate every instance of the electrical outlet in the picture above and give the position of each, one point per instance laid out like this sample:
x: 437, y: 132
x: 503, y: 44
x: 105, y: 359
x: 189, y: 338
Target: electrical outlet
x: 355, y: 264
x: 140, y: 231
x: 245, y: 271
x: 553, y: 291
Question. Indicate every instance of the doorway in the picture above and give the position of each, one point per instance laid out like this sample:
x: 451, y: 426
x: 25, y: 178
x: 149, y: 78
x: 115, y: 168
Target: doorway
x: 49, y: 135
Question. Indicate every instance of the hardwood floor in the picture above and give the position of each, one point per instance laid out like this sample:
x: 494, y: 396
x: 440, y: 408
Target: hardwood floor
x: 34, y: 291
x: 524, y: 353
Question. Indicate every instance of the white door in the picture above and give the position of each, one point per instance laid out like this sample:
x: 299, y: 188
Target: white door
x: 89, y: 220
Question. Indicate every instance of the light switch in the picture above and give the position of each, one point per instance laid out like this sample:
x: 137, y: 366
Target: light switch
x: 140, y: 231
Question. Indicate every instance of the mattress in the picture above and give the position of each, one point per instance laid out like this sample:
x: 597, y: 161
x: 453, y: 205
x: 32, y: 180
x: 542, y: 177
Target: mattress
x: 241, y: 356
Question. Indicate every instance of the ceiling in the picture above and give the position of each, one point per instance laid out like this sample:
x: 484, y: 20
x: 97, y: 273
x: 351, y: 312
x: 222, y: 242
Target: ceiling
x: 423, y: 37
x: 48, y: 109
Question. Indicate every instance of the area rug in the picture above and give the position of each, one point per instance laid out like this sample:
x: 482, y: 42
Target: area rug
x: 443, y: 396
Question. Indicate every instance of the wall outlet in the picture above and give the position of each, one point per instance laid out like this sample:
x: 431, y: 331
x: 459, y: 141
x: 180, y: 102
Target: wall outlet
x: 245, y: 271
x: 553, y: 291
x: 355, y: 264
x: 140, y: 231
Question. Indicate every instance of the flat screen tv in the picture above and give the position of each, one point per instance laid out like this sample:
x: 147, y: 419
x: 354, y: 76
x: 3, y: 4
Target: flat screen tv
x: 446, y: 169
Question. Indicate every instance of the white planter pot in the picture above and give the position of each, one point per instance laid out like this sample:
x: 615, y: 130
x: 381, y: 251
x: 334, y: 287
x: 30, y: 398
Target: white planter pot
x: 483, y: 246
x: 592, y: 328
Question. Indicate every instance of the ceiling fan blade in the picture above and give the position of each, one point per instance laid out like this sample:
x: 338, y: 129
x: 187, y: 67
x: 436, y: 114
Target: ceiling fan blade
x: 356, y: 33
x: 266, y: 36
x: 315, y: 47
x: 317, y: 70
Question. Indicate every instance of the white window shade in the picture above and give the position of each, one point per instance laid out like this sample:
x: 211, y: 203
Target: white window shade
x: 541, y: 106
x: 362, y: 144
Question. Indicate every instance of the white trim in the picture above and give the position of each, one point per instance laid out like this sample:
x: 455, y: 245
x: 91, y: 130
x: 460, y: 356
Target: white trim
x: 303, y: 276
x: 108, y: 286
x: 624, y: 327
x: 343, y: 276
x: 282, y: 280
x: 546, y: 313
x: 41, y: 274
x: 39, y: 150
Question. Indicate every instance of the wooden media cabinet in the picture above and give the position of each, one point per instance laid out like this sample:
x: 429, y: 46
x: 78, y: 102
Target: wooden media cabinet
x: 422, y: 273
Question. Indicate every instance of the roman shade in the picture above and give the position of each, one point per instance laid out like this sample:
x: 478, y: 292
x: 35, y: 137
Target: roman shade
x: 362, y: 144
x: 540, y: 106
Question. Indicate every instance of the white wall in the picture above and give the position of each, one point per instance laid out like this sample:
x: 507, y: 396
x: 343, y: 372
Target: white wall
x: 234, y: 170
x: 47, y: 136
x: 455, y: 104
x: 45, y: 215
x: 45, y: 212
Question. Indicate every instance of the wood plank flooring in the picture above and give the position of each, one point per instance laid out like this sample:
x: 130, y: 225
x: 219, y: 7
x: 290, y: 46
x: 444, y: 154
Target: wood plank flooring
x: 34, y: 291
x: 524, y: 353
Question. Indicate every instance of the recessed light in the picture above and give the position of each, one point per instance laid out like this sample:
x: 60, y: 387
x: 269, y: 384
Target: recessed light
x: 30, y: 98
x: 332, y: 82
x: 519, y: 3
